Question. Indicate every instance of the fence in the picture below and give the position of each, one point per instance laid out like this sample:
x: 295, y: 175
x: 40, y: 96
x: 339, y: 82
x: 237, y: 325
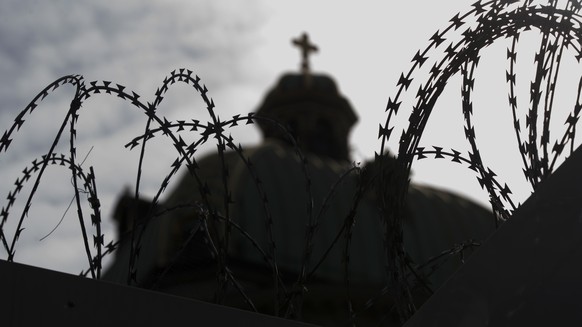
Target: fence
x: 450, y: 52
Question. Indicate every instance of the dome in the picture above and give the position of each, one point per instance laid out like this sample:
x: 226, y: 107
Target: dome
x: 312, y: 110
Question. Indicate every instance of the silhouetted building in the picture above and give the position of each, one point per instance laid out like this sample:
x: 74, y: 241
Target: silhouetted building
x: 272, y: 194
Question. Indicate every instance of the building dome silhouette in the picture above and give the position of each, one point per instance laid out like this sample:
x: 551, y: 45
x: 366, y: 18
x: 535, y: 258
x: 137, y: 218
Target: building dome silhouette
x: 271, y: 192
x: 314, y: 112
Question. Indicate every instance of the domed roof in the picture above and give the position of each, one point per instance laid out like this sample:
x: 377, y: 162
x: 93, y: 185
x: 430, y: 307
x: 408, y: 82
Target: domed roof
x: 292, y: 89
x: 310, y: 107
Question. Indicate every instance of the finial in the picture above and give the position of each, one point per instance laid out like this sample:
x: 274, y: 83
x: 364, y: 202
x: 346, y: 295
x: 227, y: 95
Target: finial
x: 306, y: 48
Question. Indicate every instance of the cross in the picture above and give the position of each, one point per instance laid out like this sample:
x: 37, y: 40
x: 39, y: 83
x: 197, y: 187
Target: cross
x: 306, y: 47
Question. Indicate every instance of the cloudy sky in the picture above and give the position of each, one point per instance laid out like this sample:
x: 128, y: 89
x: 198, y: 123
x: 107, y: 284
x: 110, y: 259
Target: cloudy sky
x: 238, y: 48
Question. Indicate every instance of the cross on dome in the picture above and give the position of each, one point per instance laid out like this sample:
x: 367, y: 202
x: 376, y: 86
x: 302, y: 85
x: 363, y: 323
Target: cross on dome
x: 306, y: 48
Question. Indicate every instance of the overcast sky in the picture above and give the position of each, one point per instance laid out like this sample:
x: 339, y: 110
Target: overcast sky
x: 238, y: 48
